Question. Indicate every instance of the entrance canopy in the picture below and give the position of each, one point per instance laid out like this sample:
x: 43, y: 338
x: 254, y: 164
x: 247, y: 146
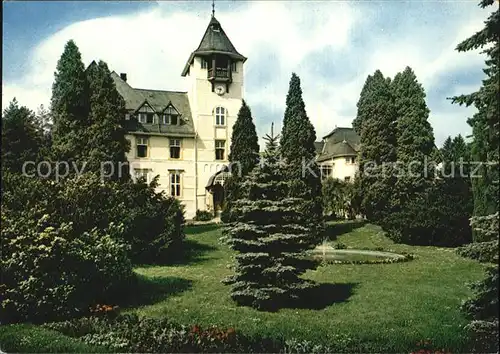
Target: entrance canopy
x: 219, y: 178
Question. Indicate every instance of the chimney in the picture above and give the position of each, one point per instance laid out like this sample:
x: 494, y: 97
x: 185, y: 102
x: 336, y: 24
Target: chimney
x: 123, y: 76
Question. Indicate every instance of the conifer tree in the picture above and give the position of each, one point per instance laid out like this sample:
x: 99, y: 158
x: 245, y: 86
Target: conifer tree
x: 244, y: 142
x: 456, y: 187
x: 43, y: 120
x: 483, y: 308
x: 298, y: 151
x: 378, y: 147
x: 243, y: 155
x: 415, y: 137
x: 485, y: 123
x: 69, y: 106
x: 362, y: 104
x: 21, y: 140
x: 270, y: 233
x: 107, y: 145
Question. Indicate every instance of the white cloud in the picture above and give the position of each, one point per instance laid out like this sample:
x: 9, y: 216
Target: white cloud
x: 152, y: 47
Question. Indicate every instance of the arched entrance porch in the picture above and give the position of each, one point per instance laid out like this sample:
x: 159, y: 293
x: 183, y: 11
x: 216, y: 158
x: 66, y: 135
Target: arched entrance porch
x: 215, y: 189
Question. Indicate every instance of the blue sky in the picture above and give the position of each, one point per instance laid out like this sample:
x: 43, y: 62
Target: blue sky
x: 331, y: 45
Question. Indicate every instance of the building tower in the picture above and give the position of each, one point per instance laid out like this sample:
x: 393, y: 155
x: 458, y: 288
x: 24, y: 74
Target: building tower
x: 215, y: 90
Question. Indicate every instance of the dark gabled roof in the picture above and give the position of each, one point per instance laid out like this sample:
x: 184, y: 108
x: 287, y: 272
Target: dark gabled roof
x: 340, y: 142
x: 158, y: 100
x: 215, y: 41
x: 337, y: 150
x: 339, y: 134
x: 318, y: 145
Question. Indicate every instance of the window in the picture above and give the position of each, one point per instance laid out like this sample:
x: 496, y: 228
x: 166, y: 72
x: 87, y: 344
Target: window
x: 326, y: 172
x: 146, y: 114
x: 220, y: 116
x: 127, y: 116
x: 204, y: 63
x: 175, y: 184
x: 147, y: 118
x: 234, y: 67
x: 170, y: 116
x: 350, y: 160
x: 142, y: 147
x: 141, y: 173
x: 347, y: 178
x: 175, y: 148
x: 220, y: 147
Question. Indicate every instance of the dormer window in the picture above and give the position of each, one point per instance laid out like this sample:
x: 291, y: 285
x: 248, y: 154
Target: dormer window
x: 146, y: 114
x: 170, y: 116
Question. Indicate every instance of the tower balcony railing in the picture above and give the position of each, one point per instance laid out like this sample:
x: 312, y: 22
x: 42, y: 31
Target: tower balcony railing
x: 219, y: 73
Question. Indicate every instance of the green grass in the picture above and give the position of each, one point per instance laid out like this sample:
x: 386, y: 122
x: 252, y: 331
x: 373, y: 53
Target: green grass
x: 386, y: 306
x: 26, y: 338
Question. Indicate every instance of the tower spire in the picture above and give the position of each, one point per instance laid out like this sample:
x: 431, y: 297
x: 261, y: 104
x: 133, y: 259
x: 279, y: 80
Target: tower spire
x: 213, y: 8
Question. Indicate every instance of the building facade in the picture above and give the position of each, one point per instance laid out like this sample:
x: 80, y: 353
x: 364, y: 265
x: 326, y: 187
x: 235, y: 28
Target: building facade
x: 184, y: 137
x: 337, y: 154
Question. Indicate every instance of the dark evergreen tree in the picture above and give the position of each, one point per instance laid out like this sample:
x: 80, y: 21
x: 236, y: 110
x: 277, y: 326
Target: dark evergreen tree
x: 270, y: 232
x: 106, y: 145
x: 378, y: 147
x: 415, y: 137
x: 485, y: 123
x: 362, y: 105
x: 44, y: 125
x: 244, y: 150
x: 69, y: 106
x: 483, y: 308
x: 298, y: 151
x: 243, y: 155
x: 21, y: 140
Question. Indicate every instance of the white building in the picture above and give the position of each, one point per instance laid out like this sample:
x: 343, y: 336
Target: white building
x: 184, y: 137
x: 337, y: 154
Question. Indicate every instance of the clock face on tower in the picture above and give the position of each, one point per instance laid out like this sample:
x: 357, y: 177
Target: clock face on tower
x: 220, y: 89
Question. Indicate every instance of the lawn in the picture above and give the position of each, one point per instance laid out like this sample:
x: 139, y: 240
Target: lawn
x: 386, y: 307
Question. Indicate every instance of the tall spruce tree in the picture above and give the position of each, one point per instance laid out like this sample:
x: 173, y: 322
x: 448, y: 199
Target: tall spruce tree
x: 21, y: 140
x: 243, y: 155
x: 107, y: 145
x: 362, y: 104
x: 244, y: 142
x: 485, y: 123
x: 270, y: 233
x: 483, y: 308
x: 298, y: 151
x: 378, y: 147
x: 414, y: 136
x: 456, y: 188
x: 69, y: 106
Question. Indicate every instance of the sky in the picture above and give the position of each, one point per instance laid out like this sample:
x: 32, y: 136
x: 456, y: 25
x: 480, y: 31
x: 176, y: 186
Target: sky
x: 332, y: 45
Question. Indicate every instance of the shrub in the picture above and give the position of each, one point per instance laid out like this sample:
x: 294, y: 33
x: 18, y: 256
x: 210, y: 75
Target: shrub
x: 433, y: 217
x: 152, y: 222
x: 203, y: 215
x: 50, y: 271
x: 482, y: 307
x: 129, y: 333
x: 339, y: 199
x: 480, y: 251
x: 339, y: 246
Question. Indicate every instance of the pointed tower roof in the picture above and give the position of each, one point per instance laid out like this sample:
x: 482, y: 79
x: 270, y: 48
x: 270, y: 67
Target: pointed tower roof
x: 214, y: 41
